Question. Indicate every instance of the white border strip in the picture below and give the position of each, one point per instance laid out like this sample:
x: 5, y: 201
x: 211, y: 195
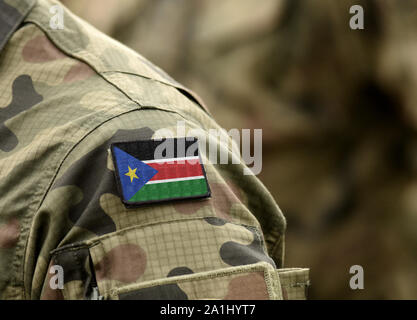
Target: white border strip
x: 171, y: 159
x: 175, y: 179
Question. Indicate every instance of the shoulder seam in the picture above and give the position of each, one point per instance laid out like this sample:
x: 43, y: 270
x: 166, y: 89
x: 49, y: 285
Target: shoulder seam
x: 63, y: 47
x: 69, y: 54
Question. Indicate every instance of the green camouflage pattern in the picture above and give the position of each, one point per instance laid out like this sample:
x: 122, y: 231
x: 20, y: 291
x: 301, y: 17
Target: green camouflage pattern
x: 66, y: 96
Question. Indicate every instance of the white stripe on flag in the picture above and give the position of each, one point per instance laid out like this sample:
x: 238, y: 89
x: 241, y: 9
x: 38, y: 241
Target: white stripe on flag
x: 171, y: 159
x: 175, y: 179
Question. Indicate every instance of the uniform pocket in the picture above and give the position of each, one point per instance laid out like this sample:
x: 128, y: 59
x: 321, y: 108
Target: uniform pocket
x: 198, y: 252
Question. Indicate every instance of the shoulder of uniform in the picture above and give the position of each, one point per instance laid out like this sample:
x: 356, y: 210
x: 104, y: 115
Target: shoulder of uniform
x: 105, y: 55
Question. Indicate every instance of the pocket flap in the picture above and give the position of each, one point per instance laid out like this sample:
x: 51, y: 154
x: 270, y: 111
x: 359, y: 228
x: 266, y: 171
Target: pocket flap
x: 251, y: 282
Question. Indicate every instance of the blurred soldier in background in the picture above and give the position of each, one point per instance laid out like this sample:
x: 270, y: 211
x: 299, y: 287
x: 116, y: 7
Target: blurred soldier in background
x: 338, y: 112
x: 68, y: 94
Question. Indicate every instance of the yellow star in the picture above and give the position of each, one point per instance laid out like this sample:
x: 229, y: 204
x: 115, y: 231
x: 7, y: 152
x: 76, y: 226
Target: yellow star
x: 132, y: 174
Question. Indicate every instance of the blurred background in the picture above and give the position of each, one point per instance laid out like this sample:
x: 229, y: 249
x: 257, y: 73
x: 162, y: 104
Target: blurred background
x: 337, y: 108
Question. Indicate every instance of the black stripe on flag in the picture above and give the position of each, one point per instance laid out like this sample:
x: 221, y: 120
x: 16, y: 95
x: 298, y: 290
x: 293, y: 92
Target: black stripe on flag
x: 145, y: 149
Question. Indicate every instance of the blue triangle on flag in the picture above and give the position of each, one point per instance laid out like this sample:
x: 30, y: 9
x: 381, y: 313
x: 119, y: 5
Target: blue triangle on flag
x: 133, y: 173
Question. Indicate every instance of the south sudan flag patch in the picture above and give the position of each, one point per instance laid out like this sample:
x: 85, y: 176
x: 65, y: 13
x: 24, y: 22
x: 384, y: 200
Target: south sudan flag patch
x: 149, y: 171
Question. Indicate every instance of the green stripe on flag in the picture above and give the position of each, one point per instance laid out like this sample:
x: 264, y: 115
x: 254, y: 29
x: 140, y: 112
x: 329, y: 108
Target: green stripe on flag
x: 167, y: 190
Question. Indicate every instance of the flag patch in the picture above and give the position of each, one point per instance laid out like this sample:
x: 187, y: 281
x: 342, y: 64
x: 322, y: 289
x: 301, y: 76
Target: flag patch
x: 149, y: 171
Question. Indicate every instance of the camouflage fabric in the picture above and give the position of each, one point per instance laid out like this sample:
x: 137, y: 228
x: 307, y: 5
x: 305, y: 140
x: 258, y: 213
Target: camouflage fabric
x: 66, y: 96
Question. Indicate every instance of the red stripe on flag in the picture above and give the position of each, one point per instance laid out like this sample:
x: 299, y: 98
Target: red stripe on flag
x: 176, y: 169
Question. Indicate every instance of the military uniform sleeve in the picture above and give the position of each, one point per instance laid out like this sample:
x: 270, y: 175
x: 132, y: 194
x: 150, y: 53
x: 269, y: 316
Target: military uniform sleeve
x: 193, y: 249
x: 65, y: 232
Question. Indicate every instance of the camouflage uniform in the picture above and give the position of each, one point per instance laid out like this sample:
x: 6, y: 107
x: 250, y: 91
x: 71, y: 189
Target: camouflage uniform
x: 66, y: 96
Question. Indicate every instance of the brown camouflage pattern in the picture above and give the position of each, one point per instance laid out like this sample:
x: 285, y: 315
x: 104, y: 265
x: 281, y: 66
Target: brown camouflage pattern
x: 66, y: 96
